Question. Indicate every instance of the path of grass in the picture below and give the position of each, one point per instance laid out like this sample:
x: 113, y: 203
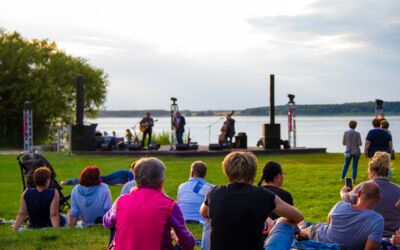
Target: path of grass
x: 313, y: 181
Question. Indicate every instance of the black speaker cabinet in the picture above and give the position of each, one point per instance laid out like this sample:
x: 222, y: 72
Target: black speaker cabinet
x: 241, y: 140
x: 83, y: 137
x: 215, y: 146
x: 134, y: 147
x: 271, y: 135
x: 182, y: 147
x: 193, y: 146
x: 154, y: 146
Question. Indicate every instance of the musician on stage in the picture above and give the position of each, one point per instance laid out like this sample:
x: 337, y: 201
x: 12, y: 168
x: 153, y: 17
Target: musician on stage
x: 146, y: 126
x: 231, y: 127
x: 179, y: 125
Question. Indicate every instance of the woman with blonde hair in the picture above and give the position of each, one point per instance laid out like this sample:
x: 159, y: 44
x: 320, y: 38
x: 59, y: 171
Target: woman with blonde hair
x: 238, y: 210
x: 378, y: 171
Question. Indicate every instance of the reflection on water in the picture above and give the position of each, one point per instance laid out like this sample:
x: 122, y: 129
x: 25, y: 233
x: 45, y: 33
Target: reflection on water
x: 313, y: 131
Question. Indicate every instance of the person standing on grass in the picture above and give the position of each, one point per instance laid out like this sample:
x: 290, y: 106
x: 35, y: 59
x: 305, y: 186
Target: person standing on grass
x: 40, y: 204
x: 352, y: 141
x: 377, y: 140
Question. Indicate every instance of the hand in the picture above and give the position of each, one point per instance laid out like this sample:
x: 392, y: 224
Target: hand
x: 173, y: 236
x: 14, y: 228
x: 345, y: 189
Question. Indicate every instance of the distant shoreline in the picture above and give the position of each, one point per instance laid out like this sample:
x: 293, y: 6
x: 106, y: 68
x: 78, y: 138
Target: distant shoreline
x: 346, y: 109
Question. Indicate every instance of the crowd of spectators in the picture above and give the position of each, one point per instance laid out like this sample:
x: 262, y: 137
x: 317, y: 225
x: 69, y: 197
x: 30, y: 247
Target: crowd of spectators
x: 237, y: 215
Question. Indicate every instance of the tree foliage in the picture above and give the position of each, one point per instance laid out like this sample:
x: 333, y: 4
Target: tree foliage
x: 36, y: 70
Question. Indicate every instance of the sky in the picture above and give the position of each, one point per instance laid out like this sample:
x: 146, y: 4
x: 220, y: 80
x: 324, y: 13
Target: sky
x: 219, y: 54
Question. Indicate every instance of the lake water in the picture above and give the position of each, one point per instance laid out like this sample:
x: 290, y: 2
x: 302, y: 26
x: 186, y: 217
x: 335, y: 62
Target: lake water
x: 316, y: 131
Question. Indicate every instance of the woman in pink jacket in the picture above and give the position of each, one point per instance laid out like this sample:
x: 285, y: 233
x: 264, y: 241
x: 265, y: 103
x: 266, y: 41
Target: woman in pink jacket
x: 147, y: 219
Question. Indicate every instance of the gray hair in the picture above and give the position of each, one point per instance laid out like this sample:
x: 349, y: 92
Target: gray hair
x: 149, y: 172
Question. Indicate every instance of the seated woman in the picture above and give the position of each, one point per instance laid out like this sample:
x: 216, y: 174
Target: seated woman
x: 144, y: 217
x: 119, y: 177
x: 273, y: 177
x: 40, y: 204
x: 238, y: 211
x: 90, y: 200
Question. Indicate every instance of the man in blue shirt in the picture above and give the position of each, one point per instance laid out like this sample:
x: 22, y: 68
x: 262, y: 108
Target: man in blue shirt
x: 352, y: 226
x: 377, y: 140
x: 191, y: 193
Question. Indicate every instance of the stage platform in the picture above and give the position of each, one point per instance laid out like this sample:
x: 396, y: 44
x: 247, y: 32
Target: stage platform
x: 204, y: 151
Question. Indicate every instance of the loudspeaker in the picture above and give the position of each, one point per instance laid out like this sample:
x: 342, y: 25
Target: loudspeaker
x: 182, y: 147
x: 215, y: 147
x: 271, y: 134
x: 241, y: 140
x: 193, y: 146
x: 154, y: 146
x: 83, y: 137
x: 134, y: 147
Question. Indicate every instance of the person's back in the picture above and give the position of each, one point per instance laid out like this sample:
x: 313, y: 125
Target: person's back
x: 390, y: 194
x: 238, y: 212
x: 380, y: 141
x: 90, y: 203
x: 350, y: 228
x: 352, y: 141
x: 190, y: 197
x: 141, y: 219
x: 38, y: 205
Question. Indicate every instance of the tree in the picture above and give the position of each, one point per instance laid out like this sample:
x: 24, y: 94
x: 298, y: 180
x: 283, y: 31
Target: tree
x: 36, y: 70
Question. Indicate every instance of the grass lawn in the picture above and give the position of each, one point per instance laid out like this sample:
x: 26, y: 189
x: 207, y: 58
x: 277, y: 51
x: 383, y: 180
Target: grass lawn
x: 313, y: 181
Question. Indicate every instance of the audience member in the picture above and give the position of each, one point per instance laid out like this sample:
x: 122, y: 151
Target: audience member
x: 144, y: 218
x: 129, y: 185
x: 238, y: 211
x: 385, y: 126
x: 273, y: 177
x: 90, y: 200
x: 40, y: 204
x: 377, y: 140
x: 115, y: 178
x: 351, y: 226
x: 378, y: 170
x: 128, y: 136
x: 352, y: 141
x: 191, y: 193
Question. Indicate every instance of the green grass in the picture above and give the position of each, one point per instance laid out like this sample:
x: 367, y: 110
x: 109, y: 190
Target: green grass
x: 313, y: 181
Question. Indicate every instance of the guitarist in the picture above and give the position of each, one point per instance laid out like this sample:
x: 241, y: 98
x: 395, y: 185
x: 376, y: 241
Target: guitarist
x: 179, y: 125
x: 146, y: 126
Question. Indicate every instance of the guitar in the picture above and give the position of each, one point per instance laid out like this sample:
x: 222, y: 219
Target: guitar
x: 145, y: 125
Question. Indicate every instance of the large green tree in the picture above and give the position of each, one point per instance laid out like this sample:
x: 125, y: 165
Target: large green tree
x: 37, y: 71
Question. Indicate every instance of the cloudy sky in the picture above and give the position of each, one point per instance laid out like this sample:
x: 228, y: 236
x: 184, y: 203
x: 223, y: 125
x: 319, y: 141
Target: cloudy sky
x: 218, y: 54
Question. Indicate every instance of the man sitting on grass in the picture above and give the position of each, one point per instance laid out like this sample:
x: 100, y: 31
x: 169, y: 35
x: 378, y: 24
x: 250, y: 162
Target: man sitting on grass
x: 191, y: 193
x: 351, y: 226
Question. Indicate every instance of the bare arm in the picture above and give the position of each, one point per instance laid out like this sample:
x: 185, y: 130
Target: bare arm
x: 22, y: 213
x: 371, y: 245
x: 204, y: 211
x: 287, y: 211
x: 72, y: 220
x: 54, y: 215
x: 366, y: 147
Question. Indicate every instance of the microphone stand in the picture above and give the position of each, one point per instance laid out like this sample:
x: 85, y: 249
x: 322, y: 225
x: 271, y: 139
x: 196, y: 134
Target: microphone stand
x: 209, y: 128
